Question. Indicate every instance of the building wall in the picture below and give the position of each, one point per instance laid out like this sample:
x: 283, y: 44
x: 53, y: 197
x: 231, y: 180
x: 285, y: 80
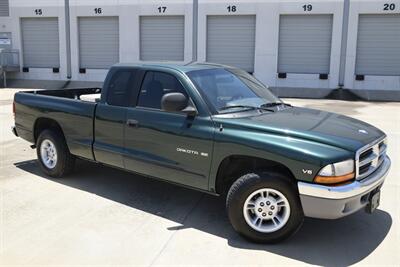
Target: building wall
x: 266, y: 51
x: 267, y: 36
x: 129, y: 12
x: 31, y: 9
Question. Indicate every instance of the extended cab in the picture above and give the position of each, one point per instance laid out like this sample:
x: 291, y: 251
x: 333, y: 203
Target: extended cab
x: 216, y: 129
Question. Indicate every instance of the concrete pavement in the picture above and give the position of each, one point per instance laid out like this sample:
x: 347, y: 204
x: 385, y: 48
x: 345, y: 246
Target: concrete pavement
x: 103, y: 216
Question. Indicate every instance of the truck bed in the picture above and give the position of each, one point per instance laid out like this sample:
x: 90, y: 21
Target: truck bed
x: 74, y: 93
x: 65, y: 107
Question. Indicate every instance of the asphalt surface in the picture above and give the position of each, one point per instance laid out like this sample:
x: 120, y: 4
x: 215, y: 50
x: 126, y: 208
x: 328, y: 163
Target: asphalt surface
x: 103, y: 216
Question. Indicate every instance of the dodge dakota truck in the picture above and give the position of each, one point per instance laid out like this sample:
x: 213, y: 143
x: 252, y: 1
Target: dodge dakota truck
x: 216, y: 129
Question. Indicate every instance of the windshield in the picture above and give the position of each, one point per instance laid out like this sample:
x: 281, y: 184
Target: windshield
x: 228, y: 90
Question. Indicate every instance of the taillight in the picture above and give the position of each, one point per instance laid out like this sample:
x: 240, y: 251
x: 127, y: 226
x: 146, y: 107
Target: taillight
x: 13, y: 108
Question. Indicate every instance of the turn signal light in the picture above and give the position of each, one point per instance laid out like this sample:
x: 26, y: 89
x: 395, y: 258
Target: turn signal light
x: 334, y: 179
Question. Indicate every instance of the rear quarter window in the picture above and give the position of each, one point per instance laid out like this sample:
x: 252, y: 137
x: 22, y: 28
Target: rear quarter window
x: 120, y: 87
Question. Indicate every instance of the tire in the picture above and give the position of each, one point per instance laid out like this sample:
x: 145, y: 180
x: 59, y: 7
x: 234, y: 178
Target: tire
x: 51, y: 145
x: 256, y: 223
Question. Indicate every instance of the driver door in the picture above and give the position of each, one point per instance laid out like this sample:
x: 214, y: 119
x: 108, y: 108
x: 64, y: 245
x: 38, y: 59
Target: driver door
x: 167, y: 145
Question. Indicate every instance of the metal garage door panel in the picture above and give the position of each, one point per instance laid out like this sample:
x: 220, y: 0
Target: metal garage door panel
x: 40, y: 42
x: 378, y: 45
x: 231, y: 40
x: 4, y: 8
x: 98, y: 42
x: 305, y: 43
x: 162, y: 38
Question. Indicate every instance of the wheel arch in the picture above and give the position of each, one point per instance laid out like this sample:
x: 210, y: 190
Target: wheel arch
x: 234, y: 166
x: 44, y: 123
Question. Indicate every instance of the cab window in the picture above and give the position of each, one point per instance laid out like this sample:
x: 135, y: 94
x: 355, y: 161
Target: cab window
x: 154, y: 86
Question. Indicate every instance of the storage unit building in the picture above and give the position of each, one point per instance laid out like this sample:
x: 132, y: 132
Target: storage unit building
x: 231, y: 40
x: 286, y: 44
x: 297, y: 48
x: 98, y: 42
x: 40, y: 42
x: 130, y: 31
x: 36, y: 32
x: 162, y: 38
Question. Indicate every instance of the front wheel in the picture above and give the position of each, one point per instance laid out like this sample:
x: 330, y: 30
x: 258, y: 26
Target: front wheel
x: 264, y: 207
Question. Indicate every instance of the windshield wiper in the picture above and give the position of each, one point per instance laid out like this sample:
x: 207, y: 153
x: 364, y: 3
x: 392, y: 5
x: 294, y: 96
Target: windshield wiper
x: 238, y: 106
x: 246, y: 107
x: 274, y: 104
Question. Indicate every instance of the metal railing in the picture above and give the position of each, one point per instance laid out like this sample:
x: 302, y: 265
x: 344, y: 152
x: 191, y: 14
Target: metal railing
x: 9, y: 62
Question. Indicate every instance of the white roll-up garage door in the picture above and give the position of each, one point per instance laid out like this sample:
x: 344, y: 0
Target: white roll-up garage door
x: 4, y: 8
x: 162, y: 38
x: 40, y: 42
x: 305, y: 44
x: 98, y: 42
x: 378, y: 45
x: 231, y: 40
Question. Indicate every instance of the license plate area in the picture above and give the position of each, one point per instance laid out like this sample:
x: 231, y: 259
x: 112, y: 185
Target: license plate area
x: 374, y: 201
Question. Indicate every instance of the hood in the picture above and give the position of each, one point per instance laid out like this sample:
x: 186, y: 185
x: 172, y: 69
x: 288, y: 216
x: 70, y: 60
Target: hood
x: 315, y: 125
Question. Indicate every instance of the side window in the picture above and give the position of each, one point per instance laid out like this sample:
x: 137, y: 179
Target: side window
x: 154, y: 86
x: 119, y: 88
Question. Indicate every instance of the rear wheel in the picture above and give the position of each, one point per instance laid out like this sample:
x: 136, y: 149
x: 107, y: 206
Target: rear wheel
x: 53, y: 154
x: 264, y: 207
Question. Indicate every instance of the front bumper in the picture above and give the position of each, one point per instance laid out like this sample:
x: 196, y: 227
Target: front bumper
x: 332, y: 202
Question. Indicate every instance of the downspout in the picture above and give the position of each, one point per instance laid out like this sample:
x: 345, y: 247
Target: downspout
x: 343, y: 48
x: 67, y: 38
x: 195, y: 28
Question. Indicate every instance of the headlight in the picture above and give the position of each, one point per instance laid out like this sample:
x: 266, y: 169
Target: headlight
x: 336, y: 173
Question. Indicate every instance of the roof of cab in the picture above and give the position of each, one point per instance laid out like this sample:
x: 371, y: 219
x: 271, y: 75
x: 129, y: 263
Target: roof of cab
x: 179, y: 67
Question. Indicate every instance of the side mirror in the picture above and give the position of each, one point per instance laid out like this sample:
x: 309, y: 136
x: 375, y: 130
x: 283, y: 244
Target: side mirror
x: 177, y: 102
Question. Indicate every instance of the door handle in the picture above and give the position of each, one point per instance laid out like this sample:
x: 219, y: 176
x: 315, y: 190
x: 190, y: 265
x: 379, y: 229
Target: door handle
x: 132, y: 123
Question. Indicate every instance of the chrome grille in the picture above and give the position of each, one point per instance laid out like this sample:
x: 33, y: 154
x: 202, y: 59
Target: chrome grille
x: 370, y: 157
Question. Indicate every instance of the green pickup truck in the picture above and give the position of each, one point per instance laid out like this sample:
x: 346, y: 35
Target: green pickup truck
x: 216, y: 129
